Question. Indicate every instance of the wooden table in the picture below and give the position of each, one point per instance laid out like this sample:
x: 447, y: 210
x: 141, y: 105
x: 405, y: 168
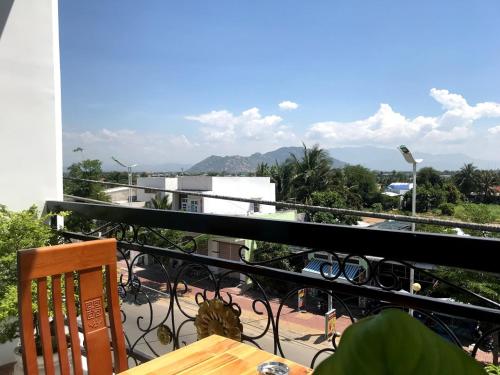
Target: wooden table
x: 213, y: 355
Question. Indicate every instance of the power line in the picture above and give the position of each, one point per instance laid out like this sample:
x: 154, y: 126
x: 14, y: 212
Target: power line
x: 299, y: 206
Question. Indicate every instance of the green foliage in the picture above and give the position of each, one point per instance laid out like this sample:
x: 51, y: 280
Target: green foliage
x: 160, y: 203
x: 429, y: 176
x: 453, y: 195
x: 282, y: 175
x: 447, y: 209
x: 466, y: 179
x: 428, y: 198
x: 90, y: 170
x: 18, y: 230
x: 267, y: 251
x: 361, y: 181
x: 377, y: 207
x: 492, y: 369
x: 392, y: 342
x: 476, y: 213
x: 485, y: 284
x: 311, y: 172
x: 263, y: 170
x: 331, y: 199
x: 486, y: 182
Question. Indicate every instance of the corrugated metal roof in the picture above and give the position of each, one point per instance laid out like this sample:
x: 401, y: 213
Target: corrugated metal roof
x: 350, y: 270
x: 392, y: 225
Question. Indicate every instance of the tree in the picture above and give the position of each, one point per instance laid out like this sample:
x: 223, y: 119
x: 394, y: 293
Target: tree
x: 90, y: 170
x: 428, y: 198
x: 453, y: 195
x: 361, y: 181
x: 466, y: 179
x: 282, y: 175
x: 18, y: 230
x: 262, y: 170
x: 429, y: 176
x: 482, y: 283
x: 311, y: 172
x: 486, y: 182
x: 160, y: 203
x: 332, y: 199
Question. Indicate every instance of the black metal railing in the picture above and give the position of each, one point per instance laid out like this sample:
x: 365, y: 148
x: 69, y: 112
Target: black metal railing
x: 165, y: 277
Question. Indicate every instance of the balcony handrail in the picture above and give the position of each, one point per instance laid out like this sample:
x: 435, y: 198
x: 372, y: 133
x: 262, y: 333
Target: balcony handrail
x: 439, y: 249
x: 298, y: 206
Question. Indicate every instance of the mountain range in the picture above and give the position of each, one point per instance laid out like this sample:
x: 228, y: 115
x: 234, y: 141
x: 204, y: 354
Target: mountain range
x: 376, y: 158
x: 245, y: 164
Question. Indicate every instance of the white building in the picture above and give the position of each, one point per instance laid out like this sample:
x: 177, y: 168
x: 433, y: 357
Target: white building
x: 259, y: 188
x: 399, y: 188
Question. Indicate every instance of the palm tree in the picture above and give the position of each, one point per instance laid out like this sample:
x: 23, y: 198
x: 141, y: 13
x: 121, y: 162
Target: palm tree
x: 160, y: 203
x: 486, y: 184
x: 262, y: 170
x: 311, y: 173
x: 281, y: 175
x: 467, y: 179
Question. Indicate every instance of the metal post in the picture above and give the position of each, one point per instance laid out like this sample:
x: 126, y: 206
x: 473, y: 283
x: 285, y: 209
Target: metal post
x: 130, y: 183
x: 413, y: 213
x: 414, y: 196
x: 330, y: 299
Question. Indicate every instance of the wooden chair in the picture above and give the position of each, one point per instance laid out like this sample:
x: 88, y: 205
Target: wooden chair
x: 59, y: 263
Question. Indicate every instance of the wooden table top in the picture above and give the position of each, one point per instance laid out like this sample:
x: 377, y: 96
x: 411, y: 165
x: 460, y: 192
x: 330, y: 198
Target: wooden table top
x: 213, y: 355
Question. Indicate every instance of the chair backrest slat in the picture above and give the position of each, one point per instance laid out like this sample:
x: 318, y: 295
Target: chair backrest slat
x: 87, y: 260
x: 43, y: 321
x: 26, y: 327
x: 115, y: 319
x: 76, y: 353
x: 94, y: 320
x: 62, y: 347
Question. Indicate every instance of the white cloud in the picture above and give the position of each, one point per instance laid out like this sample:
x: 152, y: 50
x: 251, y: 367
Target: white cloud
x: 494, y: 130
x: 388, y: 127
x: 287, y: 105
x: 224, y: 126
x: 129, y: 145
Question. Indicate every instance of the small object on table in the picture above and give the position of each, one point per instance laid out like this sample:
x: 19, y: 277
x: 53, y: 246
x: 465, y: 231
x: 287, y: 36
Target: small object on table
x: 273, y: 368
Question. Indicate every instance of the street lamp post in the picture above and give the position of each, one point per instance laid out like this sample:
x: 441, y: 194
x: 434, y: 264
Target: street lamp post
x: 410, y: 159
x: 130, y: 180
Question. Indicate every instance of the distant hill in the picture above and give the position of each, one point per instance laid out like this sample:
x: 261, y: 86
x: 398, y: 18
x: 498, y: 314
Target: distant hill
x: 387, y: 159
x: 245, y: 164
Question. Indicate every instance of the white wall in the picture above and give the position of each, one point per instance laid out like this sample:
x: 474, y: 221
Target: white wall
x: 30, y: 104
x: 201, y: 183
x: 242, y: 187
x: 169, y: 183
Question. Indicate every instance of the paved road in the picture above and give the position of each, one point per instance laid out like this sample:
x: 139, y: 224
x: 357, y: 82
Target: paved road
x: 297, y: 346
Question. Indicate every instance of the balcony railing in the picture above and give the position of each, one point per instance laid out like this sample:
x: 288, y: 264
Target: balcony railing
x: 162, y: 286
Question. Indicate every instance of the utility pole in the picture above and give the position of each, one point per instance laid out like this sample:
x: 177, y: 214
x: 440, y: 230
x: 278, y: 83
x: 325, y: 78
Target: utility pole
x: 410, y: 159
x: 130, y: 179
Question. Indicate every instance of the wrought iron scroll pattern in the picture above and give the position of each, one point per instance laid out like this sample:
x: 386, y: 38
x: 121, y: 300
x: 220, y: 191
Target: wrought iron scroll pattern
x: 176, y: 317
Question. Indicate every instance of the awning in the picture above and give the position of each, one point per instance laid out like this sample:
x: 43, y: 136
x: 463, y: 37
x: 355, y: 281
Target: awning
x: 350, y: 270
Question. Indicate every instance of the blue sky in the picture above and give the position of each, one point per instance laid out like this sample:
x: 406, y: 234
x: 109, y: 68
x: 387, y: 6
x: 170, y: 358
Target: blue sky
x: 164, y: 81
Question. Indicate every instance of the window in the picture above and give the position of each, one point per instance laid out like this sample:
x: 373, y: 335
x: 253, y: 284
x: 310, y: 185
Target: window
x: 256, y: 207
x: 194, y: 206
x: 184, y: 204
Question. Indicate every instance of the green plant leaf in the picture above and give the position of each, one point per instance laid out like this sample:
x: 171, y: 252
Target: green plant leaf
x: 392, y: 342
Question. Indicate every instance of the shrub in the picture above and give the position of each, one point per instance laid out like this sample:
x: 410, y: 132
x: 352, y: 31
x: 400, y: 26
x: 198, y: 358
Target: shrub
x: 18, y: 230
x: 476, y: 213
x: 447, y: 209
